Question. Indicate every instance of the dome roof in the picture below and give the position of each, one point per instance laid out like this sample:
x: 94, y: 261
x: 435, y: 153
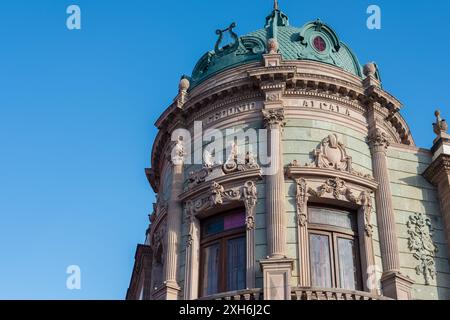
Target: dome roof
x: 314, y: 41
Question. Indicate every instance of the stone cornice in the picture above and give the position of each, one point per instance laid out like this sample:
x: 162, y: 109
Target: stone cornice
x: 439, y: 167
x: 384, y: 98
x: 244, y: 84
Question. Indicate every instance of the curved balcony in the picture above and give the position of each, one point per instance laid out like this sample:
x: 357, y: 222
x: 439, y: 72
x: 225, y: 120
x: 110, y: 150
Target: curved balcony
x: 299, y: 294
x: 332, y: 294
x: 248, y: 294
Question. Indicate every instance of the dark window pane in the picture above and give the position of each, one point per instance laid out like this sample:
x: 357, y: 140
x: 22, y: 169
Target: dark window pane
x: 236, y: 264
x: 211, y: 270
x: 347, y: 264
x: 320, y: 261
x: 234, y: 220
x: 214, y: 226
x: 330, y: 217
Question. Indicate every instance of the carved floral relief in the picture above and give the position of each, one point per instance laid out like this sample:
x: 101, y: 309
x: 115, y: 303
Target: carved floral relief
x: 420, y: 242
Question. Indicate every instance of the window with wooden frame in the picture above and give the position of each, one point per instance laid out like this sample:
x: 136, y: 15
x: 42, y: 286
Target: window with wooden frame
x: 223, y: 253
x: 333, y: 248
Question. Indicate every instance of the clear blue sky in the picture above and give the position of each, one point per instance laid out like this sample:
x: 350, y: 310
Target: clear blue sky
x: 77, y: 110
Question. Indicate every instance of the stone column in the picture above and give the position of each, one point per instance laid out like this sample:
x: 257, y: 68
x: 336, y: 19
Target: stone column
x: 394, y: 284
x: 276, y: 268
x: 174, y: 216
x: 275, y: 197
x: 385, y: 213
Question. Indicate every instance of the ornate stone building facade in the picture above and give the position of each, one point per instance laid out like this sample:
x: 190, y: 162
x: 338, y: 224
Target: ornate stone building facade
x: 347, y: 207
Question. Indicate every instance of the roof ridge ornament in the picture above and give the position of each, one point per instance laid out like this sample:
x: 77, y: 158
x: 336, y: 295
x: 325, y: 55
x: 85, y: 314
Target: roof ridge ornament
x: 440, y: 126
x: 276, y: 19
x: 234, y: 36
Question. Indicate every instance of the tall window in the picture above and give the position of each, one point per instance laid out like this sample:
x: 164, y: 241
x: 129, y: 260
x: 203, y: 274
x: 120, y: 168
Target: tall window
x: 223, y: 253
x: 334, y: 253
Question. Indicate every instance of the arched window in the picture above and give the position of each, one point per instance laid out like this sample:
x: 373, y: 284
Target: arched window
x: 334, y: 253
x: 223, y: 256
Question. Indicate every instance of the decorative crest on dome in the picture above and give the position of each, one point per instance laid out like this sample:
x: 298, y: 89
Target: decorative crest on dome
x: 231, y: 47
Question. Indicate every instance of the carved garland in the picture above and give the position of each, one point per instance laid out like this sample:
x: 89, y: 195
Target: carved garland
x: 420, y: 242
x: 338, y: 188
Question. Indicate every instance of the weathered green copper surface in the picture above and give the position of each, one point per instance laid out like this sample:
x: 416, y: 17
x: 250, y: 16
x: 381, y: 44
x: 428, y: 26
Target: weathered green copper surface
x: 294, y: 44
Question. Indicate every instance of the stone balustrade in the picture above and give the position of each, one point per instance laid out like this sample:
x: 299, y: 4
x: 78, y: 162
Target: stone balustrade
x: 299, y: 293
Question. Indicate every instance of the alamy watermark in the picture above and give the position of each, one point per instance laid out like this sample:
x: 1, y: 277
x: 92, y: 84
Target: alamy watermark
x: 73, y: 21
x: 374, y: 19
x: 216, y: 147
x: 73, y: 281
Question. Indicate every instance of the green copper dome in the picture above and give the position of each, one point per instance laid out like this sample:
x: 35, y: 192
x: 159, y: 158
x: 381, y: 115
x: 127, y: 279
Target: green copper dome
x: 314, y: 41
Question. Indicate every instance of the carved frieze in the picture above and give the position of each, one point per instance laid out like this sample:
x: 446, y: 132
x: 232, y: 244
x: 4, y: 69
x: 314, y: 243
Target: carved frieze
x: 420, y: 242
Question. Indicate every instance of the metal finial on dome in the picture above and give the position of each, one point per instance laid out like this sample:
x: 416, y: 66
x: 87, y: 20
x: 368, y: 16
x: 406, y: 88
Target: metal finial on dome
x: 275, y: 4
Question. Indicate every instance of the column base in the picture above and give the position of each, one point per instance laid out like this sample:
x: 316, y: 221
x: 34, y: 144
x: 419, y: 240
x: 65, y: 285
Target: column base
x: 277, y: 278
x: 168, y: 291
x: 396, y: 286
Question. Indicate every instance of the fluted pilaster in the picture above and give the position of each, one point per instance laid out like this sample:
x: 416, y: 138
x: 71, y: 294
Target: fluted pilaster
x: 174, y: 216
x: 385, y: 213
x: 275, y: 216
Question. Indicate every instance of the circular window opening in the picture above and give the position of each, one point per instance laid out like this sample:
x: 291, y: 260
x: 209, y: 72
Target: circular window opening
x: 319, y: 44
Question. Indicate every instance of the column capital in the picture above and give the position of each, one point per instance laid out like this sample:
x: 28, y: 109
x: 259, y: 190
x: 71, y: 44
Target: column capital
x: 273, y: 118
x: 379, y: 141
